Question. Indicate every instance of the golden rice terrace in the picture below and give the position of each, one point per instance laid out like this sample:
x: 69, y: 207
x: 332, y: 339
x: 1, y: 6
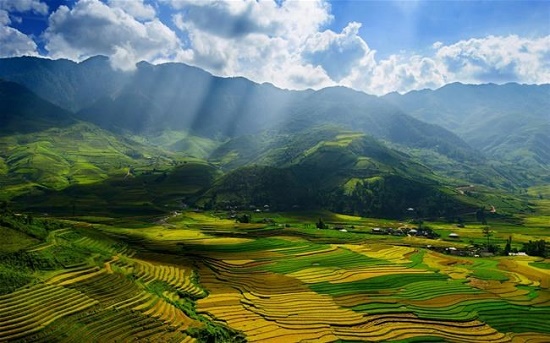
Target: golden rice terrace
x: 197, y: 278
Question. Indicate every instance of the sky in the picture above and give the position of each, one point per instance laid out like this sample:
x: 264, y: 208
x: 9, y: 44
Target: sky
x: 373, y: 46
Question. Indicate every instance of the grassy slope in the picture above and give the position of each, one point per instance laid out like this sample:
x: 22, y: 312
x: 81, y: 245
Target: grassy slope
x: 144, y: 194
x: 179, y: 141
x: 84, y: 168
x: 81, y: 154
x: 95, y: 169
x: 14, y: 240
x: 331, y: 167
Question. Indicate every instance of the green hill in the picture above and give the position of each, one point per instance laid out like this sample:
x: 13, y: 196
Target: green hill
x: 171, y: 134
x: 506, y: 122
x: 327, y: 167
x: 48, y: 159
x: 21, y: 111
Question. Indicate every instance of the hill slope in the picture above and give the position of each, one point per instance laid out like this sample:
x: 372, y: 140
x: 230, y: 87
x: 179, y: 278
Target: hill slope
x: 43, y: 148
x: 509, y: 122
x: 23, y: 112
x: 327, y: 167
x: 329, y: 145
x: 175, y: 96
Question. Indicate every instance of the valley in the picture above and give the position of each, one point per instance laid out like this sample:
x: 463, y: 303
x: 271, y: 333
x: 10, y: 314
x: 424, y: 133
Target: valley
x: 201, y: 276
x: 171, y: 205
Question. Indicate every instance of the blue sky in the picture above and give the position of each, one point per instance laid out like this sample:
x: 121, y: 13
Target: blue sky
x: 393, y: 26
x: 373, y: 46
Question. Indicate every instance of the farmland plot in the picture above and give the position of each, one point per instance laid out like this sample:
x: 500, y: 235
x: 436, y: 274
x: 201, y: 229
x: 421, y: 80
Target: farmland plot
x: 225, y: 282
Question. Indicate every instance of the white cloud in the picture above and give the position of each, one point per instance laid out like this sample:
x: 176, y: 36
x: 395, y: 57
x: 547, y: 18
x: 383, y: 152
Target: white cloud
x: 36, y: 6
x: 400, y: 73
x: 4, y: 18
x: 232, y: 19
x: 491, y: 59
x: 338, y: 53
x: 136, y: 8
x: 92, y: 27
x: 14, y: 43
x: 261, y: 40
x: 498, y: 59
x: 286, y: 43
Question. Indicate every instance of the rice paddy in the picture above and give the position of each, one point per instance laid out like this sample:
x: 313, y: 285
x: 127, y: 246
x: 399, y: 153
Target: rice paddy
x: 196, y: 278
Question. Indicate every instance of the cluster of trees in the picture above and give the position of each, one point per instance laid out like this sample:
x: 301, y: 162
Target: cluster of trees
x: 245, y: 218
x: 537, y: 248
x: 531, y: 248
x: 258, y: 185
x: 321, y: 224
x: 286, y: 189
x: 390, y: 197
x: 37, y: 228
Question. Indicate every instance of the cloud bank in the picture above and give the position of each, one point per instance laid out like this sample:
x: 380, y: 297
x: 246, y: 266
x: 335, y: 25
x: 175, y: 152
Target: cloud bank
x: 286, y: 43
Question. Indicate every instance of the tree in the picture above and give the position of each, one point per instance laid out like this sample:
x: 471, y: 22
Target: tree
x: 321, y: 224
x: 4, y: 207
x: 536, y: 248
x: 487, y: 234
x: 245, y: 218
x: 480, y: 216
x: 508, y: 246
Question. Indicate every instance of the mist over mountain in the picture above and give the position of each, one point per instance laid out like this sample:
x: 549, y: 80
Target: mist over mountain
x: 23, y: 112
x: 336, y: 148
x: 503, y: 121
x: 62, y: 82
x: 510, y: 121
x: 180, y: 97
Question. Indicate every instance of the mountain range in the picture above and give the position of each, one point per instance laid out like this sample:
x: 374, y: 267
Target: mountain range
x: 174, y: 132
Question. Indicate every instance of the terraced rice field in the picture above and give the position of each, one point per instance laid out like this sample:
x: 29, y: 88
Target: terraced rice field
x: 125, y: 299
x: 375, y: 292
x: 278, y: 288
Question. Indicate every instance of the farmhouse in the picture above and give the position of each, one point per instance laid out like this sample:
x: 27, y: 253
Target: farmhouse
x: 377, y: 230
x: 521, y: 253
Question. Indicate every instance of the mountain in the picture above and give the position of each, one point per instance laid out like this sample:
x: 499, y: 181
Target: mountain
x: 173, y: 96
x: 22, y: 111
x: 52, y: 162
x: 168, y: 133
x: 180, y: 97
x: 506, y: 122
x: 65, y: 83
x: 375, y: 116
x: 327, y: 167
x: 44, y: 149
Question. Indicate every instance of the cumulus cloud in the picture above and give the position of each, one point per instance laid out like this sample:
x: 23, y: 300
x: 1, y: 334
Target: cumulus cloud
x: 338, y: 53
x: 14, y: 43
x: 35, y: 6
x: 92, y: 27
x: 287, y: 43
x: 4, y: 18
x: 261, y: 40
x: 233, y: 19
x: 403, y: 73
x: 498, y: 59
x: 136, y: 8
